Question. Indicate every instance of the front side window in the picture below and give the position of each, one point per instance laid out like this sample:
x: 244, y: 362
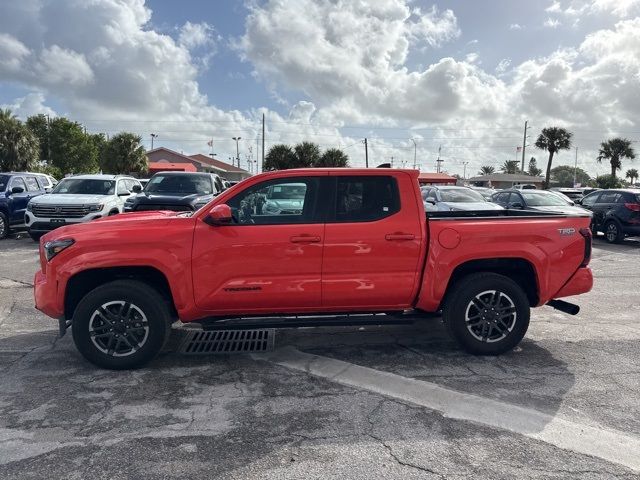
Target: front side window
x: 590, y: 199
x: 32, y: 184
x: 18, y: 182
x: 85, y: 186
x: 276, y: 202
x: 122, y: 187
x: 366, y: 198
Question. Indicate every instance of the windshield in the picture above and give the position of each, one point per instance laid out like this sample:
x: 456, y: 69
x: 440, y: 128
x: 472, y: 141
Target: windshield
x: 187, y: 184
x: 4, y: 180
x: 540, y: 199
x: 85, y: 186
x: 461, y: 195
x: 287, y: 192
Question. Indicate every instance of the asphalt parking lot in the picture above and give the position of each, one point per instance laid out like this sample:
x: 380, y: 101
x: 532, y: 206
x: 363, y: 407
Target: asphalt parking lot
x: 381, y: 402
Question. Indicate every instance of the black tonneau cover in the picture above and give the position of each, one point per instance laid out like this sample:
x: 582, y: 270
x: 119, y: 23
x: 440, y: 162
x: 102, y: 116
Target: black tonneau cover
x: 497, y: 214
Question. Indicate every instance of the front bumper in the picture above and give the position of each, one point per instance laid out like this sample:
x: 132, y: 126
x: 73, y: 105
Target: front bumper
x: 45, y: 293
x: 43, y: 225
x: 580, y: 282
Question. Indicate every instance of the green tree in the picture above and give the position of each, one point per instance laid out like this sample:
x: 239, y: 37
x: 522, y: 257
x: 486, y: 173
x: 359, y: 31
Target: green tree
x: 333, y: 157
x: 307, y: 154
x: 72, y: 150
x: 533, y: 170
x: 280, y: 157
x: 614, y: 150
x: 553, y: 139
x: 18, y: 145
x: 123, y: 153
x: 632, y: 174
x: 562, y: 176
x: 39, y: 125
x: 607, y: 181
x: 486, y: 170
x: 510, y: 166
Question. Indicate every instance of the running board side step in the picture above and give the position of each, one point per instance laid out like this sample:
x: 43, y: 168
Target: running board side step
x: 298, y: 321
x: 565, y: 307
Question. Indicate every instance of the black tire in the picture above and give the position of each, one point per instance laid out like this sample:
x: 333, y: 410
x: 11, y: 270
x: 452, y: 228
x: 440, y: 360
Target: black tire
x: 613, y: 232
x: 36, y: 236
x: 113, y: 212
x: 145, y: 303
x: 4, y: 226
x: 505, y: 326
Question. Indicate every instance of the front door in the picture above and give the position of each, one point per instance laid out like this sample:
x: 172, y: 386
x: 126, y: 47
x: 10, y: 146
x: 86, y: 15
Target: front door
x: 270, y: 258
x: 372, y: 243
x: 18, y: 201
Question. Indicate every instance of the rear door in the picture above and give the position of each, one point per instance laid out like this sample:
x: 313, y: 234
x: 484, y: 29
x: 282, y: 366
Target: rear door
x: 270, y: 258
x: 372, y: 244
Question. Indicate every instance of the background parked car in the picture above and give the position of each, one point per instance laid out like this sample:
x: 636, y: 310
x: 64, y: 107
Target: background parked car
x: 177, y: 191
x: 572, y: 193
x: 525, y: 186
x: 78, y: 199
x: 485, y: 192
x: 616, y: 212
x: 16, y: 190
x: 542, y: 200
x: 450, y: 198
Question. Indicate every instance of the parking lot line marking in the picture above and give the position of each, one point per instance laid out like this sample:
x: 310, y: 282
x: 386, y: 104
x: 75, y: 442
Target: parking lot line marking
x: 611, y: 445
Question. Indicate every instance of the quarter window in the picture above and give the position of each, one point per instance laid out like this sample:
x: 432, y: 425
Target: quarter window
x: 277, y: 202
x: 366, y: 198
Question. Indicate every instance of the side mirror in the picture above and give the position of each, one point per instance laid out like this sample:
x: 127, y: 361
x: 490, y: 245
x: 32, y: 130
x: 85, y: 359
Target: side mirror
x: 578, y: 201
x: 17, y: 190
x: 124, y: 194
x: 219, y: 215
x: 137, y: 188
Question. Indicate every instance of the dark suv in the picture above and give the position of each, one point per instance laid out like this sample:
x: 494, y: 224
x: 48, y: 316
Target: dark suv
x: 615, y: 212
x: 16, y: 189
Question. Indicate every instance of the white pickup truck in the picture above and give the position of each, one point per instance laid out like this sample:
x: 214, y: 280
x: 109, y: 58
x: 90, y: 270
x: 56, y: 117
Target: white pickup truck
x: 76, y: 200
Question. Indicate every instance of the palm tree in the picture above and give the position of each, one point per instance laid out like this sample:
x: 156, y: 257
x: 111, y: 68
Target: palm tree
x: 632, y: 174
x: 510, y: 166
x: 614, y: 150
x: 6, y: 114
x: 486, y: 170
x: 553, y: 139
x: 333, y: 157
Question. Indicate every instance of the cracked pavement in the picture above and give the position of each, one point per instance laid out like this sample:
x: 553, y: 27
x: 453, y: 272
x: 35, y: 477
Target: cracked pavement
x: 238, y: 417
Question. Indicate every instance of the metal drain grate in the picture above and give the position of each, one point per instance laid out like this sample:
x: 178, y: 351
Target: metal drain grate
x: 228, y: 341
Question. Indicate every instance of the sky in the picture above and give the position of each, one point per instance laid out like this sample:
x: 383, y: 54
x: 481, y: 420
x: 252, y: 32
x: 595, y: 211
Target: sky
x: 414, y: 77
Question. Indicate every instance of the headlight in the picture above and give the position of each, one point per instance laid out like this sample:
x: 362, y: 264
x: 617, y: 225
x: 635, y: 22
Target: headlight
x: 29, y: 207
x: 96, y: 207
x: 54, y: 247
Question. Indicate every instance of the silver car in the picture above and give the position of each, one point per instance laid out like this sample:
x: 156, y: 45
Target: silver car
x: 450, y: 198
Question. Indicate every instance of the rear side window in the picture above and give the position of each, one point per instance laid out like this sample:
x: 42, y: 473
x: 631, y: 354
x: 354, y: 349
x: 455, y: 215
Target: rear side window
x: 18, y: 182
x: 32, y: 184
x: 609, y: 197
x: 43, y: 182
x: 366, y: 198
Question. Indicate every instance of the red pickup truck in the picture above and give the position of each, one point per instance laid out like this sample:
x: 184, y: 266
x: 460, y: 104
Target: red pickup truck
x: 320, y: 245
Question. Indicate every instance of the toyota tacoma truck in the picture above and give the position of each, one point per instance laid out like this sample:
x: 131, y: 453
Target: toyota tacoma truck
x: 359, y: 247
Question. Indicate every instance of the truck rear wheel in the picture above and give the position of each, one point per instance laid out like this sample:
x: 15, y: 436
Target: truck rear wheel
x: 487, y: 313
x: 121, y: 325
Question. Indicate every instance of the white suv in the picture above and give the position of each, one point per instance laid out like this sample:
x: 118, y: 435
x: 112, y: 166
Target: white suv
x: 78, y: 199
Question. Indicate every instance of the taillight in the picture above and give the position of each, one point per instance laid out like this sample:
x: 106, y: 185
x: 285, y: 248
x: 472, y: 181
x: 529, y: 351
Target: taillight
x: 634, y: 207
x: 586, y: 234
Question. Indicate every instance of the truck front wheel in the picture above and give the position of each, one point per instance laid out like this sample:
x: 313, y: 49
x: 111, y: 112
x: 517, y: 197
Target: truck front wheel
x: 121, y: 325
x: 487, y: 313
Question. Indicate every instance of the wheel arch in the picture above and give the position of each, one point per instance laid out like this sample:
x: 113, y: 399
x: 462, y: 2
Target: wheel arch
x: 521, y: 271
x: 87, y: 280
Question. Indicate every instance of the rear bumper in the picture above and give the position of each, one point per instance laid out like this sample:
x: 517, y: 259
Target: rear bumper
x: 45, y: 293
x: 631, y: 230
x: 580, y: 282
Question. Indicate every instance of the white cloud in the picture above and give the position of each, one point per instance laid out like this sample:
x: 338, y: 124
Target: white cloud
x: 503, y: 66
x: 552, y: 23
x: 30, y: 104
x: 193, y: 35
x: 576, y: 8
x: 12, y: 53
x: 472, y: 57
x: 515, y: 26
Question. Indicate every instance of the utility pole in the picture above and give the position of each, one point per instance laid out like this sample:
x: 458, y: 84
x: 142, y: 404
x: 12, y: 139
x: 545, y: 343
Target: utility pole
x: 464, y: 175
x: 438, y: 162
x: 237, y: 139
x: 524, y: 143
x: 575, y: 169
x: 391, y: 162
x: 153, y: 135
x: 49, y: 140
x: 415, y: 154
x: 366, y: 154
x: 262, y: 168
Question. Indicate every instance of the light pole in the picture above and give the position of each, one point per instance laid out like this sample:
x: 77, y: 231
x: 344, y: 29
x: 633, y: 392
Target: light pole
x: 464, y: 174
x: 237, y: 139
x: 153, y: 135
x: 415, y: 153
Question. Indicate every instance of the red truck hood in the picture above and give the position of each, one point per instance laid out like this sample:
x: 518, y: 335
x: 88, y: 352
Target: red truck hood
x: 115, y: 222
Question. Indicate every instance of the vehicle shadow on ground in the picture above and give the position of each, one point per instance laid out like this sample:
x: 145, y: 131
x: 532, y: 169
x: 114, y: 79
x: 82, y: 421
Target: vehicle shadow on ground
x: 601, y: 243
